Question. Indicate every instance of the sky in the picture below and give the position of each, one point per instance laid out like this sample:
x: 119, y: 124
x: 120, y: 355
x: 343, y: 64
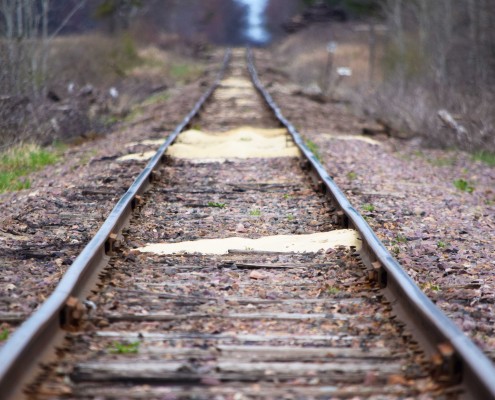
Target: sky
x: 256, y: 29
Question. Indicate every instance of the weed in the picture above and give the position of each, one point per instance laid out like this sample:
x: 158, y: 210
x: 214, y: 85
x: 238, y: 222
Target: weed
x: 332, y: 290
x: 125, y: 348
x: 159, y: 97
x: 352, y: 176
x: 287, y: 196
x: 185, y: 72
x: 396, y: 250
x: 256, y: 212
x: 290, y: 217
x: 248, y: 248
x: 217, y: 205
x: 430, y: 286
x: 441, y: 244
x: 486, y: 157
x: 18, y: 162
x: 368, y: 207
x: 313, y: 147
x: 109, y: 120
x: 463, y: 185
x: 400, y: 239
x: 4, y: 335
x: 133, y: 114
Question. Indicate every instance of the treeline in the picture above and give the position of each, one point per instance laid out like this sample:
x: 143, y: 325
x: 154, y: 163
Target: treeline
x: 439, y: 56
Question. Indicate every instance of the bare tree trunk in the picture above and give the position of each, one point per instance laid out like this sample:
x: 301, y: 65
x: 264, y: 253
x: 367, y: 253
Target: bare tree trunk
x: 372, y: 52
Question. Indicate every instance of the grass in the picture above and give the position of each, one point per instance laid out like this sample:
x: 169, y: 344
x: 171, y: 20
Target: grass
x: 134, y: 114
x: 430, y: 286
x: 351, y: 176
x: 18, y: 162
x: 4, y: 335
x: 368, y: 207
x: 485, y: 157
x: 287, y: 196
x: 332, y: 290
x: 441, y: 245
x: 463, y: 185
x: 256, y: 212
x: 185, y: 72
x: 313, y: 147
x: 400, y: 239
x: 159, y: 97
x: 125, y: 348
x: 290, y: 217
x: 217, y: 205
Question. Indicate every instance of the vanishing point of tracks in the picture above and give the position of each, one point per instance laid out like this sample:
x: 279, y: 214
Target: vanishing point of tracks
x: 239, y: 319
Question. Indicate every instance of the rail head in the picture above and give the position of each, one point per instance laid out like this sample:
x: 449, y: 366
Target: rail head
x: 466, y: 363
x: 23, y: 351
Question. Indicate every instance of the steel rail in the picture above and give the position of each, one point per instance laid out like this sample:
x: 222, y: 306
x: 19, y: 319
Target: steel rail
x: 36, y: 337
x: 455, y: 356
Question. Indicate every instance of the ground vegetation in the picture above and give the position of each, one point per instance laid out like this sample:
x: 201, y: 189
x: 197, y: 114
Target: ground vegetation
x: 423, y: 68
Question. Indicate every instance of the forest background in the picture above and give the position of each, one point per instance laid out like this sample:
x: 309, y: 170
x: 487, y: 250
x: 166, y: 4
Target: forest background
x: 423, y: 68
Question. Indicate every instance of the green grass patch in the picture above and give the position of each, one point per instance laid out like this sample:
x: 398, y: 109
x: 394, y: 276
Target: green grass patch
x: 217, y: 205
x: 441, y: 245
x: 313, y: 147
x: 332, y: 290
x: 159, y: 97
x: 125, y: 348
x: 463, y: 185
x: 4, y: 335
x: 256, y: 212
x: 368, y: 207
x: 351, y: 176
x: 185, y: 72
x: 485, y: 157
x: 18, y: 162
x: 134, y: 114
x: 400, y: 239
x: 290, y: 217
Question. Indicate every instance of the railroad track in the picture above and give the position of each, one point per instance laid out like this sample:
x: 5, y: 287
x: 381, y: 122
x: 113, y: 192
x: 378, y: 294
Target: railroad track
x: 243, y: 273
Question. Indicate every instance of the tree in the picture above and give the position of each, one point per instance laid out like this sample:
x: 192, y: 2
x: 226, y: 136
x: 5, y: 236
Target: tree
x: 24, y: 51
x: 118, y: 13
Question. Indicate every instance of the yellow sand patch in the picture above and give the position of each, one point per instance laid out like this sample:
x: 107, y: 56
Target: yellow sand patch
x: 352, y: 137
x: 281, y: 243
x: 236, y: 82
x: 244, y: 142
x: 147, y: 142
x: 137, y: 157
